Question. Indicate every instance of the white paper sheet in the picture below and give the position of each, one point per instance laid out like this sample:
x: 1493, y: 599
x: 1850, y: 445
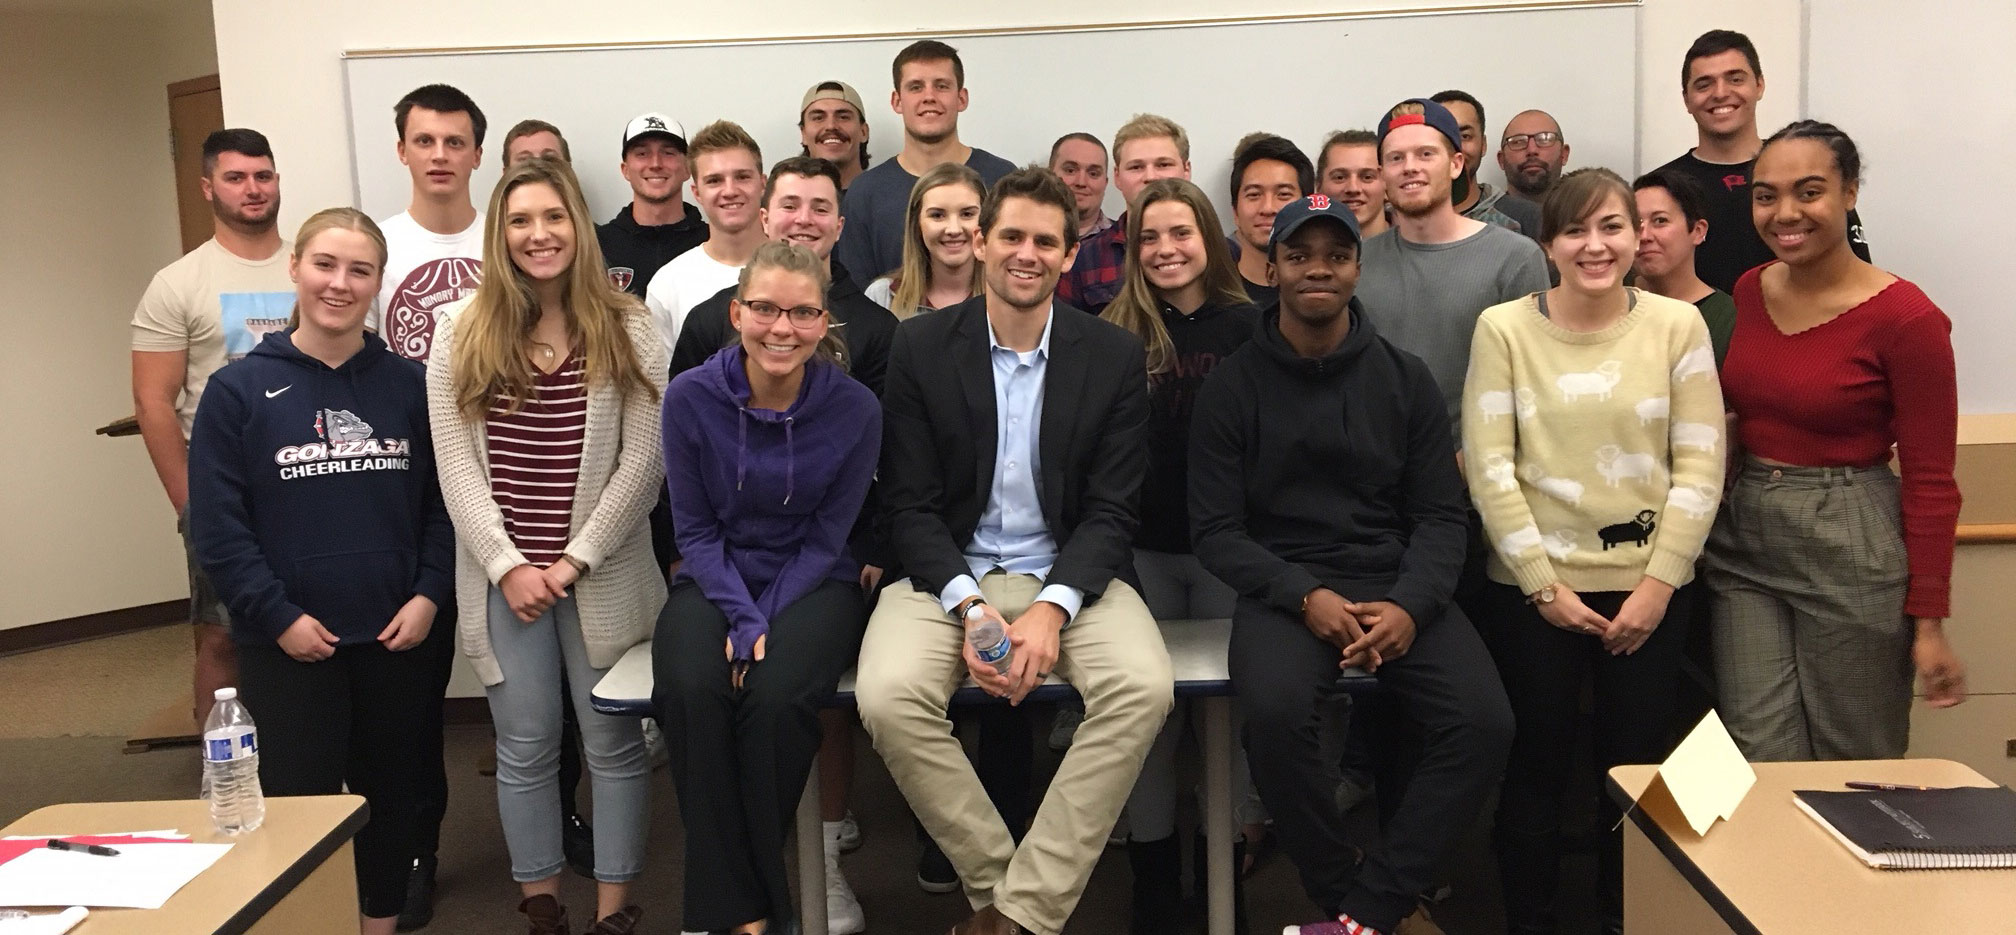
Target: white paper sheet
x: 143, y: 876
x: 53, y: 923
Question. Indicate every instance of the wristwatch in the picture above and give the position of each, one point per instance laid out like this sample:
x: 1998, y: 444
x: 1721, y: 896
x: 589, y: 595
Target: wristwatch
x: 964, y: 612
x: 1543, y: 596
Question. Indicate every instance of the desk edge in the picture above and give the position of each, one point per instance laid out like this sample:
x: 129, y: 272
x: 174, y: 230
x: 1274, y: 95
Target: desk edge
x: 1695, y: 876
x: 285, y: 882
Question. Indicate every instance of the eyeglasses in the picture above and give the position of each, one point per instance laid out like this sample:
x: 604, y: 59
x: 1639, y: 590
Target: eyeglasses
x: 802, y: 316
x: 1546, y: 139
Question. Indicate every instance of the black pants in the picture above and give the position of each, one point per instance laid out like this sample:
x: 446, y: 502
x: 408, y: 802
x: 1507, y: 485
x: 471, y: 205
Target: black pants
x: 362, y: 717
x: 440, y: 656
x: 1445, y: 684
x: 1545, y: 669
x: 739, y: 759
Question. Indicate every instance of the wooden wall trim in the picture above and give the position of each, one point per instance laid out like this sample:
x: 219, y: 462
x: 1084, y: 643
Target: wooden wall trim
x: 92, y: 626
x: 1985, y: 533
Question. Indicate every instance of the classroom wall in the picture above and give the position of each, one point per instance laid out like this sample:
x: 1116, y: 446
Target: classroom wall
x: 90, y: 215
x: 282, y: 73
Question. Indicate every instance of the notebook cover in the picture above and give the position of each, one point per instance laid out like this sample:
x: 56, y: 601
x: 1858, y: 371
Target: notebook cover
x: 1922, y: 821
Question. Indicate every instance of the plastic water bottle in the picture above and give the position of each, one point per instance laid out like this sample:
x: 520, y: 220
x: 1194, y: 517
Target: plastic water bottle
x: 990, y: 642
x: 231, y: 766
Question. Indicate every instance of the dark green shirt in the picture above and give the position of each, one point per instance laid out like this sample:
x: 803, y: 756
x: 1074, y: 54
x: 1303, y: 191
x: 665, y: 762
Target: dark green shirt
x: 1719, y: 310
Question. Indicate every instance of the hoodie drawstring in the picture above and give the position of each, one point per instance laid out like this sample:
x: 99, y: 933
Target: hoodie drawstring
x: 741, y: 447
x: 742, y: 455
x: 790, y: 463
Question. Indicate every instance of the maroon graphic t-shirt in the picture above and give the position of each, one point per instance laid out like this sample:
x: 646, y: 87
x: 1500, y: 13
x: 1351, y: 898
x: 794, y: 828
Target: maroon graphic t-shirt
x: 424, y: 271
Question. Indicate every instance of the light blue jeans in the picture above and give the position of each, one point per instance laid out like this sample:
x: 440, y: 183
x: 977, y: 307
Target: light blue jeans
x: 525, y: 709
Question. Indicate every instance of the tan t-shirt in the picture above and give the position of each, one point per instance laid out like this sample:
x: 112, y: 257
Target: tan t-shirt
x: 215, y: 305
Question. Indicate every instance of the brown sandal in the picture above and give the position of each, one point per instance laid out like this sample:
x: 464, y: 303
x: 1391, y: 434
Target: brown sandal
x: 546, y: 914
x: 621, y: 922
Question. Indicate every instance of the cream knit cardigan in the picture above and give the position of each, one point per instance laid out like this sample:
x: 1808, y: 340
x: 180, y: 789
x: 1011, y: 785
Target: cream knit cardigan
x: 622, y: 466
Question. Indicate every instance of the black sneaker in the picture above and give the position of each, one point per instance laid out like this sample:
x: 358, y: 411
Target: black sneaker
x: 577, y: 842
x: 934, y: 870
x: 419, y: 895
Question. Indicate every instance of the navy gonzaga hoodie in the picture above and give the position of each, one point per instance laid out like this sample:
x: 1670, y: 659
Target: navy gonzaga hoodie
x: 312, y: 491
x: 762, y: 501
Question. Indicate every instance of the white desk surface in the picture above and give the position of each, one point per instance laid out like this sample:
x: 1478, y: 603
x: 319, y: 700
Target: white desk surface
x: 1196, y: 658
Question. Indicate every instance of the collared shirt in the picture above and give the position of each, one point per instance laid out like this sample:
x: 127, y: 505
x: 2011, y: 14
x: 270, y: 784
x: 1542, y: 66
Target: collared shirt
x: 1099, y: 226
x: 1012, y: 535
x: 1094, y: 278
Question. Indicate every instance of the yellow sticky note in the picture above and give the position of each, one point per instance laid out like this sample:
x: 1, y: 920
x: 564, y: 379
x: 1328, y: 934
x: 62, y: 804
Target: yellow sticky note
x: 1706, y: 776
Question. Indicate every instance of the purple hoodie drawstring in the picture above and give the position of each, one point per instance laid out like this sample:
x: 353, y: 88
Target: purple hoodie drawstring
x: 742, y: 455
x: 790, y: 463
x: 741, y: 447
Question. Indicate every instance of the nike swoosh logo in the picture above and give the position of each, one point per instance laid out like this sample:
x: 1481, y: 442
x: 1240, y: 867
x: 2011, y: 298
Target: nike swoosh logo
x: 272, y: 393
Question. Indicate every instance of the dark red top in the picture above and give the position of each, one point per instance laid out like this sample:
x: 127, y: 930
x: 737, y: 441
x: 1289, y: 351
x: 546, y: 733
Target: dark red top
x: 535, y: 459
x: 1840, y: 394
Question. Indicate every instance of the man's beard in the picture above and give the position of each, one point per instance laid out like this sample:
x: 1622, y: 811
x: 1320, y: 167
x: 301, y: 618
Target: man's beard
x: 1532, y: 189
x: 234, y: 219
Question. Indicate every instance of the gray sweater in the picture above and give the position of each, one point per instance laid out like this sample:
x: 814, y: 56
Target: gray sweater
x: 871, y: 245
x: 1425, y: 298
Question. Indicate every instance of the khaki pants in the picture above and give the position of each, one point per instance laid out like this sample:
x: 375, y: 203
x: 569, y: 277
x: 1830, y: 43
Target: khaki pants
x: 1111, y: 653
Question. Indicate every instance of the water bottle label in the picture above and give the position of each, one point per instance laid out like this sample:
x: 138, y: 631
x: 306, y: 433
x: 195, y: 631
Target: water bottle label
x: 220, y: 749
x: 994, y: 654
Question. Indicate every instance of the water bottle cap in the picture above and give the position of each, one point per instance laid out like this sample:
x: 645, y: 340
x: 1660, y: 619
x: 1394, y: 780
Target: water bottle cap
x: 226, y: 694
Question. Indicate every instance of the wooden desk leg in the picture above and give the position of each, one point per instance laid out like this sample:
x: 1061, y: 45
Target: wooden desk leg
x: 811, y: 859
x: 324, y: 904
x: 1218, y: 829
x: 1657, y: 899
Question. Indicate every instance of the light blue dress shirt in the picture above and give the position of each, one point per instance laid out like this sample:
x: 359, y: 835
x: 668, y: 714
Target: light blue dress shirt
x: 1012, y: 535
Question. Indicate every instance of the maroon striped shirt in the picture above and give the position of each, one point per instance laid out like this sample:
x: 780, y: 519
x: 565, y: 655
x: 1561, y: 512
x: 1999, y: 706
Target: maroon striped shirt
x: 535, y: 459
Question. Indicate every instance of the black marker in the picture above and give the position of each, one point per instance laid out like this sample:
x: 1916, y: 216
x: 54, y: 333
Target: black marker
x: 99, y: 850
x: 1889, y: 787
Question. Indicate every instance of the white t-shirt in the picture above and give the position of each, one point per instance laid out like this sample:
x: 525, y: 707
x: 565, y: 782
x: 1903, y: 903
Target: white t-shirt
x: 215, y: 305
x: 423, y: 271
x: 691, y: 278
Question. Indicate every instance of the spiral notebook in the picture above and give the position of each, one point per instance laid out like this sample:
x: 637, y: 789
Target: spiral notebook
x: 1920, y: 829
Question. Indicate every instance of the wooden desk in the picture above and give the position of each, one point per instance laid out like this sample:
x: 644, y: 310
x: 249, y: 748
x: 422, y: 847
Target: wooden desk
x: 293, y: 876
x: 1771, y: 870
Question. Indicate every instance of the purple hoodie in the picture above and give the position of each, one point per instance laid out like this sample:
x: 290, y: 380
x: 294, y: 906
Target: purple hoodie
x: 762, y: 501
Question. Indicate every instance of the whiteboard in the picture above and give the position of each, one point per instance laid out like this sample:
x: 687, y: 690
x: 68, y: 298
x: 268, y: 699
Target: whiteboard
x: 1301, y: 78
x: 1942, y: 237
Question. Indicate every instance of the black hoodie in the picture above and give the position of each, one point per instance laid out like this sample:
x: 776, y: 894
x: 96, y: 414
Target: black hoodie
x: 312, y: 491
x: 1201, y: 340
x: 636, y: 252
x: 1335, y: 471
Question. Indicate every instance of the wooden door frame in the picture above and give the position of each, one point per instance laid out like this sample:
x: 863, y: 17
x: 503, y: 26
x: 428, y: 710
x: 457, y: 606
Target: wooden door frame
x: 193, y: 86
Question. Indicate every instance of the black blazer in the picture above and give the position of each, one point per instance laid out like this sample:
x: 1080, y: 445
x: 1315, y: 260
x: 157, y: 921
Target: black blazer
x: 939, y: 433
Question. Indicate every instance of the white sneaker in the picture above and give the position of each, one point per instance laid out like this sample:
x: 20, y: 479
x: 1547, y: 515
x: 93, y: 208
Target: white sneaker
x: 846, y: 830
x: 843, y: 910
x: 654, y: 744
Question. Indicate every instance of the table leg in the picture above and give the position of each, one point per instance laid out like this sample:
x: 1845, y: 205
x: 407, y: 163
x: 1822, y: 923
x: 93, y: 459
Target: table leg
x: 1218, y: 828
x: 811, y: 860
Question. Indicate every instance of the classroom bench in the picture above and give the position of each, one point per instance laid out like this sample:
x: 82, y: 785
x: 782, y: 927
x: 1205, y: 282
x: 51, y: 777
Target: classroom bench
x: 1196, y: 658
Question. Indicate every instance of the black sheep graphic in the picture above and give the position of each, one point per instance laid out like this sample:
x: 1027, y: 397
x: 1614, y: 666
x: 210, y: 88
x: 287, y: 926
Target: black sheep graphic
x: 1638, y: 530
